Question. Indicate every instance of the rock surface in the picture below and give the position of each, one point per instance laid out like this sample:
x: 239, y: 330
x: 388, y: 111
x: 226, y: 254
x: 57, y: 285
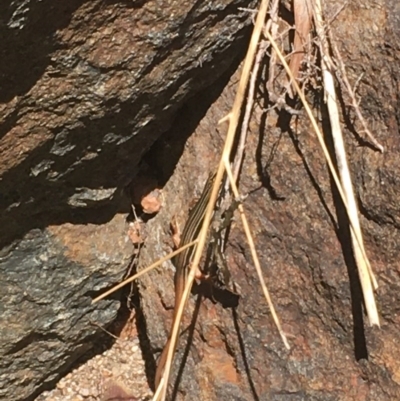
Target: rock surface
x: 94, y: 93
x: 303, y: 243
x: 86, y: 88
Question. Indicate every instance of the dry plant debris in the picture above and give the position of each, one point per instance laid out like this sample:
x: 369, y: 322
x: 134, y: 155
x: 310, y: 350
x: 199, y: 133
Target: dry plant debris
x: 344, y: 185
x: 310, y: 35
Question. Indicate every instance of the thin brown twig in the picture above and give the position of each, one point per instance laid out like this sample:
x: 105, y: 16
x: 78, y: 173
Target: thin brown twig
x: 354, y: 103
x: 272, y: 25
x: 336, y: 14
x: 249, y: 108
x: 105, y: 331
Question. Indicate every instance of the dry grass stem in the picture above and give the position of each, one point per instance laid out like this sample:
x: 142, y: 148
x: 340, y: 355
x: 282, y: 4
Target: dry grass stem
x: 320, y: 139
x: 159, y: 390
x: 233, y: 123
x: 353, y: 225
x: 256, y: 261
x: 234, y: 172
x: 147, y: 269
x: 364, y: 269
x: 249, y: 108
x: 304, y: 10
x: 104, y: 330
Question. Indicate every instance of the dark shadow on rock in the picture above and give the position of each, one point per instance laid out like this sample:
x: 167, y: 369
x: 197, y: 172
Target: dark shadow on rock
x: 343, y: 234
x: 242, y: 347
x: 341, y: 227
x: 33, y: 199
x: 189, y: 342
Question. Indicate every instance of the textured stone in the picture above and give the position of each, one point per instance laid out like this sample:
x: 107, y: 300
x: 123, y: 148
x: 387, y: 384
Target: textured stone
x: 92, y: 93
x: 86, y: 88
x: 303, y: 242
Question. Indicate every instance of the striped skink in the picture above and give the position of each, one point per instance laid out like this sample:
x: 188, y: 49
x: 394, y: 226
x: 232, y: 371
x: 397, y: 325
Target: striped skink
x: 182, y: 261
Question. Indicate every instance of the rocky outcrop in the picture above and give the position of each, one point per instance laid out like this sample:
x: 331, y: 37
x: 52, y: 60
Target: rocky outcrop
x: 304, y: 246
x: 86, y: 88
x: 95, y: 93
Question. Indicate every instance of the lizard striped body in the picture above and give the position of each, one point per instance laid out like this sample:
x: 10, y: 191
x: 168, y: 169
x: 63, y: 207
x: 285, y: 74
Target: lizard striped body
x: 182, y: 261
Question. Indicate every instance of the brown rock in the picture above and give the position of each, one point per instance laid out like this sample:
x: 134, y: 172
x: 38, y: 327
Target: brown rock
x: 303, y: 243
x: 93, y: 91
x: 86, y: 88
